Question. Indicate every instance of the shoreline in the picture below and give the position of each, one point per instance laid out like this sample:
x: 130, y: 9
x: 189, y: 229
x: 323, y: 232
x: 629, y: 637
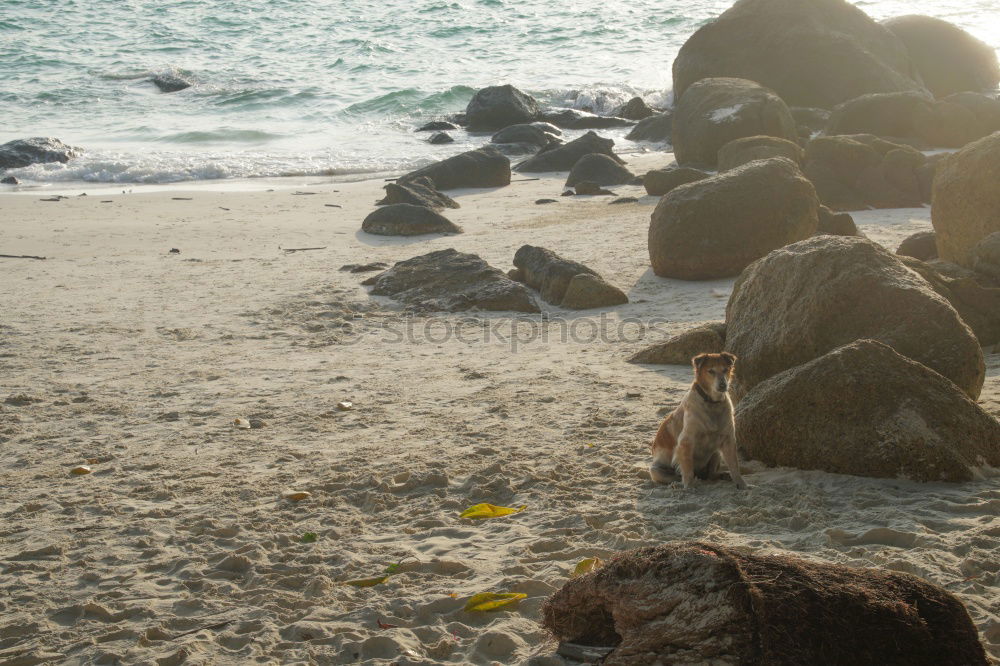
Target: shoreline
x: 140, y: 360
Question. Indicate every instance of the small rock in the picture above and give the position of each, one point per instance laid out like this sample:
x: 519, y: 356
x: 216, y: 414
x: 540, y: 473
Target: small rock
x: 242, y: 424
x: 345, y: 405
x: 590, y: 187
x: 10, y: 180
x: 437, y: 126
x: 365, y: 268
x: 80, y: 470
x: 568, y: 193
x: 624, y: 200
x: 174, y: 250
x: 257, y: 424
x: 544, y: 201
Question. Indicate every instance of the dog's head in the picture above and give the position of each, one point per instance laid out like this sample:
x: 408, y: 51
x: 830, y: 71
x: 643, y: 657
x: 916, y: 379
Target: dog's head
x: 714, y: 372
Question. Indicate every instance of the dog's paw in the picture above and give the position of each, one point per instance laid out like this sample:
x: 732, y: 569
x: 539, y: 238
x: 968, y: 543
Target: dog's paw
x: 741, y: 485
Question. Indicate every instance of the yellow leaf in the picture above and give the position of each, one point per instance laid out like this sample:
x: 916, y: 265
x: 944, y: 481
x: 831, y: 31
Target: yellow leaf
x: 366, y: 582
x: 296, y: 495
x: 80, y: 469
x: 486, y: 510
x: 586, y: 566
x: 490, y: 601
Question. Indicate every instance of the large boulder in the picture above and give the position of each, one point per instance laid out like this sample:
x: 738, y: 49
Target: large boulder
x: 497, y: 107
x: 485, y: 167
x: 947, y: 58
x: 660, y: 181
x: 966, y: 201
x: 419, y: 192
x: 986, y: 256
x: 881, y: 114
x: 893, y: 418
x: 715, y: 227
x: 739, y: 152
x: 563, y: 157
x: 713, y: 112
x: 861, y: 171
x: 703, y: 603
x: 599, y: 168
x: 806, y: 299
x: 917, y: 118
x: 681, y: 348
x: 36, y: 150
x: 451, y: 281
x: 813, y: 54
x: 975, y: 297
x: 655, y: 128
x: 563, y: 282
x: 405, y: 219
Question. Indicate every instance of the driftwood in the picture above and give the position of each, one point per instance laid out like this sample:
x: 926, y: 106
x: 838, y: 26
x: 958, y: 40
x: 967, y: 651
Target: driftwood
x: 301, y: 249
x: 697, y: 603
x: 20, y: 256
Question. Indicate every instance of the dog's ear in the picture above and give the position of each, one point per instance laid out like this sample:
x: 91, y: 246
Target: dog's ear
x: 730, y: 359
x: 699, y: 361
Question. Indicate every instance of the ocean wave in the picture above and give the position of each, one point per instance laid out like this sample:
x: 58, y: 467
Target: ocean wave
x: 221, y: 136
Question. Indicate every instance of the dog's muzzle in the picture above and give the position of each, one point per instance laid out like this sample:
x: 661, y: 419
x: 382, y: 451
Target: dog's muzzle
x: 723, y: 387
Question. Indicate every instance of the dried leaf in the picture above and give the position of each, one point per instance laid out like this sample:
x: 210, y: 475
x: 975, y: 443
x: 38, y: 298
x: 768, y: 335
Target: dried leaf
x: 366, y: 582
x: 383, y: 625
x: 486, y: 510
x: 80, y: 470
x: 296, y: 495
x: 586, y: 566
x: 491, y: 601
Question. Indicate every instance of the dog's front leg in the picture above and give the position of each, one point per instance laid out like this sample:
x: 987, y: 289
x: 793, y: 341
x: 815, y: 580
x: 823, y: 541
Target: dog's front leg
x: 733, y: 461
x: 685, y: 459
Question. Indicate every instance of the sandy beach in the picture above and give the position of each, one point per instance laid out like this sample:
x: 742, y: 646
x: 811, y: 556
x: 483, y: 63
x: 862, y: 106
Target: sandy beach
x: 180, y: 546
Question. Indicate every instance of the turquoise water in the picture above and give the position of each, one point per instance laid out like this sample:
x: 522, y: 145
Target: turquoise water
x: 326, y: 86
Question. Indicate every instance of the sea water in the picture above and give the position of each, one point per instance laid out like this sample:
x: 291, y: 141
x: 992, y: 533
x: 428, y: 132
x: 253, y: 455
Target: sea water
x: 328, y: 87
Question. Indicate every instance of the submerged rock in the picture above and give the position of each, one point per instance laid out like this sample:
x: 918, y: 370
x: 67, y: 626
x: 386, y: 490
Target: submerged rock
x: 635, y: 109
x: 437, y: 126
x: 169, y: 83
x: 654, y: 128
x: 898, y: 419
x: 702, y: 603
x: 440, y: 138
x: 451, y: 281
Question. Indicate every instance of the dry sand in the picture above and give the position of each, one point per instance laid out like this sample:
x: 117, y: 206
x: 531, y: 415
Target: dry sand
x: 179, y: 547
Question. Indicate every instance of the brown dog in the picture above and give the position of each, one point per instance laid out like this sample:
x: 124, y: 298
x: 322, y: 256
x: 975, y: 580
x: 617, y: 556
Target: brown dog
x: 701, y: 427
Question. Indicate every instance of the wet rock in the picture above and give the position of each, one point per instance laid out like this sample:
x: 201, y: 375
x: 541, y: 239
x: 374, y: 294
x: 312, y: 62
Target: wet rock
x: 635, y: 109
x: 451, y: 281
x: 440, y: 138
x: 811, y: 54
x: 497, y: 107
x: 589, y: 187
x: 806, y: 299
x: 715, y: 227
x: 418, y: 192
x: 36, y: 150
x: 437, y: 126
x: 365, y: 268
x: 563, y: 157
x: 899, y: 419
x: 966, y: 199
x: 485, y: 167
x: 574, y: 119
x: 599, y: 168
x: 169, y: 83
x: 701, y: 603
x: 563, y: 282
x: 407, y: 220
x: 10, y: 180
x: 713, y: 112
x: 533, y: 134
x: 657, y: 128
x: 681, y: 348
x: 948, y: 59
